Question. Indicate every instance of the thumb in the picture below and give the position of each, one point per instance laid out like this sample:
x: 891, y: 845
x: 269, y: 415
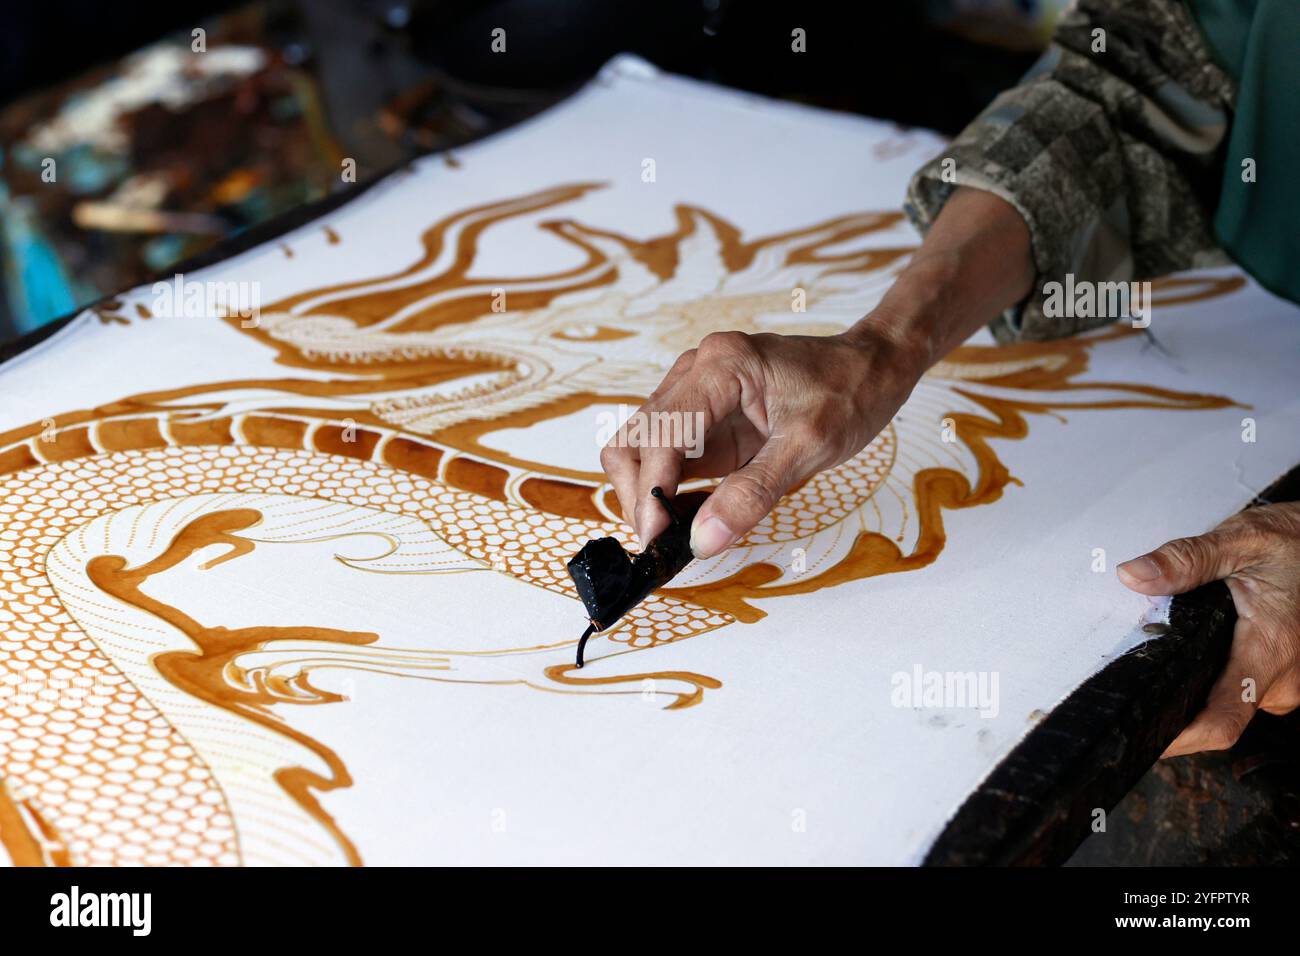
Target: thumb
x: 1185, y: 563
x: 1251, y: 670
x: 745, y: 497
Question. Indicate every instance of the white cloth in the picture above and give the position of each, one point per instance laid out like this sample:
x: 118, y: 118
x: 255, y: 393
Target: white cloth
x: 431, y: 714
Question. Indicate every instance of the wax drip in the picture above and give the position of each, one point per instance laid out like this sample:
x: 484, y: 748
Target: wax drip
x: 582, y: 642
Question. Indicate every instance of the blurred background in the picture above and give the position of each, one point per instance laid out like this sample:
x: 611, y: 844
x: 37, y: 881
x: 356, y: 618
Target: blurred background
x: 124, y: 151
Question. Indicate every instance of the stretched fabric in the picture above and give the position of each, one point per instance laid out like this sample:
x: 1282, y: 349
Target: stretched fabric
x: 282, y: 542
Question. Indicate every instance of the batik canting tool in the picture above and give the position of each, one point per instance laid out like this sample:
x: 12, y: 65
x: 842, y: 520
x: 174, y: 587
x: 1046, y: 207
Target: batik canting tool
x: 611, y: 582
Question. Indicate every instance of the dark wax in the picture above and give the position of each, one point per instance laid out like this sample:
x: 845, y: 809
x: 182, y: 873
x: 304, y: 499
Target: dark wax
x: 611, y: 582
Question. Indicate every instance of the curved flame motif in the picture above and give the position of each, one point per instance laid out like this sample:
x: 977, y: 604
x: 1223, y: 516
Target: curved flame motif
x: 423, y: 381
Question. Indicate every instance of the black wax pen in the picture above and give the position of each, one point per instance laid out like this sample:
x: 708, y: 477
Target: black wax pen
x: 611, y: 582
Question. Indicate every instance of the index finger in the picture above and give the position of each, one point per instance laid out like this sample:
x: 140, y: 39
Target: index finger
x: 620, y: 458
x: 682, y: 419
x: 621, y: 466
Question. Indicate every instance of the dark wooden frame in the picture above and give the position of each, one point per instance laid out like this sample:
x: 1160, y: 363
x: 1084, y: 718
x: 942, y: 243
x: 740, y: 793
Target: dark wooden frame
x: 1038, y: 804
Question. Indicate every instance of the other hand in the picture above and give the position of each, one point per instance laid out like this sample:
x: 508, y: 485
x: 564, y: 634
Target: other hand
x: 1257, y: 553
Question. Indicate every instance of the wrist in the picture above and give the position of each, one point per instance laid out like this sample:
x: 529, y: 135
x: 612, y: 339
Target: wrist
x: 912, y: 320
x: 975, y: 261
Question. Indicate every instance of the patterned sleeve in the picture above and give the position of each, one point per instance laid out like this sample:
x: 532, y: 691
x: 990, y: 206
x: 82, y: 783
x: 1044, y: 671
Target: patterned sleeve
x: 1112, y: 157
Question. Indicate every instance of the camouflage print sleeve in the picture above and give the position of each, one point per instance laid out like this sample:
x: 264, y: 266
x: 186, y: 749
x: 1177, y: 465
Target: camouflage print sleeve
x: 1109, y: 148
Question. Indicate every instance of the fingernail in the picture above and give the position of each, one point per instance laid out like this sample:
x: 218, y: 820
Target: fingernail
x: 710, y: 536
x: 1140, y: 569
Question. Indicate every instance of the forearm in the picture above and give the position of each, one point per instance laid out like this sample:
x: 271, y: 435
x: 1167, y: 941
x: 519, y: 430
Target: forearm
x: 1110, y: 151
x: 975, y: 261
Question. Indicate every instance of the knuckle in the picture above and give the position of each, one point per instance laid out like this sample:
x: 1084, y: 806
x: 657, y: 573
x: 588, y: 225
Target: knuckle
x: 1182, y: 556
x: 610, y: 456
x: 714, y: 391
x: 685, y: 360
x: 1266, y: 531
x: 1271, y: 533
x: 681, y: 370
x: 752, y: 491
x: 1226, y: 729
x: 1241, y: 522
x: 723, y: 345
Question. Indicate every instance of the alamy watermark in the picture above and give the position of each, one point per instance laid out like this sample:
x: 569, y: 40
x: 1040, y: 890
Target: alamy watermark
x: 192, y: 299
x: 965, y: 690
x: 76, y: 908
x: 628, y: 429
x: 35, y: 687
x: 1098, y: 300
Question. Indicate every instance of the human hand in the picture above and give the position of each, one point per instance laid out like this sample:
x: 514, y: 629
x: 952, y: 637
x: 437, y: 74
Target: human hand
x: 774, y: 410
x: 1257, y: 553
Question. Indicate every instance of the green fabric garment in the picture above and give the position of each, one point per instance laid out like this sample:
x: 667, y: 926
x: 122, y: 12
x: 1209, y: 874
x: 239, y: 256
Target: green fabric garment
x: 1258, y: 223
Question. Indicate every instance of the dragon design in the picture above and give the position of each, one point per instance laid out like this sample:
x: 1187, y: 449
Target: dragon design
x: 404, y: 400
